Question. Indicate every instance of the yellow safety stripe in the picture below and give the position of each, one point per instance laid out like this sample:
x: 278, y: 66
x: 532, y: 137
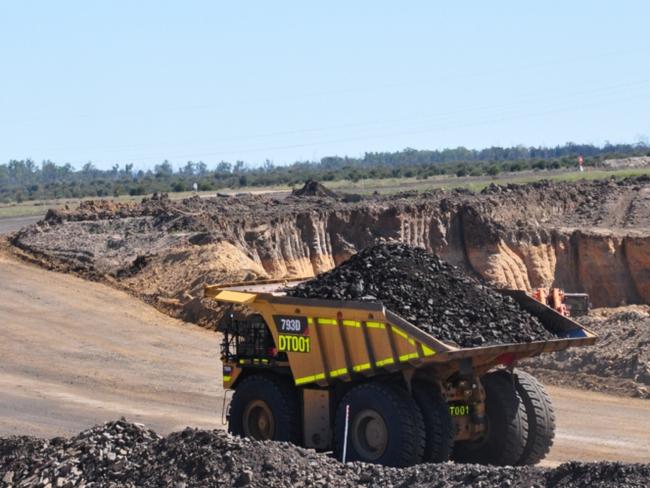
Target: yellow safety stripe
x: 427, y: 351
x: 310, y: 321
x: 322, y: 321
x: 406, y: 357
x: 399, y: 332
x: 403, y: 334
x: 384, y: 362
x: 375, y: 325
x: 310, y: 379
x: 254, y: 361
x: 227, y: 378
x: 351, y: 323
x: 361, y: 367
x: 338, y: 372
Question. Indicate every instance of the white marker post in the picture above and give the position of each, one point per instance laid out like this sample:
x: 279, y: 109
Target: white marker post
x: 345, y: 432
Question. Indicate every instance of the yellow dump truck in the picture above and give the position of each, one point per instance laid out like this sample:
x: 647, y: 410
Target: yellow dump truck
x: 356, y: 378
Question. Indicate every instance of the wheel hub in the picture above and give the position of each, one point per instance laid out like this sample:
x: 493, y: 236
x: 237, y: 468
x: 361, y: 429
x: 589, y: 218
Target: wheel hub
x: 258, y: 421
x: 369, y: 434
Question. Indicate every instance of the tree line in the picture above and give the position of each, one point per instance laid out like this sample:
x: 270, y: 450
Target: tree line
x: 26, y: 180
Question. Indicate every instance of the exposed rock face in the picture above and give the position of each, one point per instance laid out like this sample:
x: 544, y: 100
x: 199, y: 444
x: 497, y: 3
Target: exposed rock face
x: 587, y: 236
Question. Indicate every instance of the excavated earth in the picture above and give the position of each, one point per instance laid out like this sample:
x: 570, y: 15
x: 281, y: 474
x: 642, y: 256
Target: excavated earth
x: 587, y: 236
x: 436, y: 297
x: 124, y: 454
x: 620, y: 362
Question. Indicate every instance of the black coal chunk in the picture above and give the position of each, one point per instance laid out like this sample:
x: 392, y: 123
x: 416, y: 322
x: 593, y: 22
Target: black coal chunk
x: 437, y: 297
x: 123, y: 454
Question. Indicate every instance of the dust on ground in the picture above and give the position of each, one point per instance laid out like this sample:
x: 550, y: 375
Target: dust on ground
x: 75, y: 353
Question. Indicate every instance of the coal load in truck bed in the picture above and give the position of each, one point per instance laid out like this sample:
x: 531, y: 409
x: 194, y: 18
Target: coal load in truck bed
x: 435, y: 296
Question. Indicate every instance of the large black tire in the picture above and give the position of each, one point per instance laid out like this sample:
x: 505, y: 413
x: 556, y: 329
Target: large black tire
x: 266, y: 407
x: 438, y: 424
x: 385, y: 426
x: 507, y: 428
x: 540, y: 415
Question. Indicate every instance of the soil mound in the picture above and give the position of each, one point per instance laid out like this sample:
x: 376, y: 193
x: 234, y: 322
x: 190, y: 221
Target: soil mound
x: 124, y: 454
x: 437, y: 297
x: 619, y: 363
x: 313, y: 188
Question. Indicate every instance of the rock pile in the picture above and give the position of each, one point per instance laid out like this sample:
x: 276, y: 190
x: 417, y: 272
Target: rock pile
x: 313, y: 188
x: 437, y: 297
x: 620, y: 362
x: 125, y: 454
x: 103, y: 454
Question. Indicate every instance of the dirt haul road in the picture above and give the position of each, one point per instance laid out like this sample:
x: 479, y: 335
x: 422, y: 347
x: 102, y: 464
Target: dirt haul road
x: 75, y: 353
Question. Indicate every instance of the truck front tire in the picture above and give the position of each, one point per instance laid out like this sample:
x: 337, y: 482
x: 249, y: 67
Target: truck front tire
x: 385, y: 426
x: 266, y: 407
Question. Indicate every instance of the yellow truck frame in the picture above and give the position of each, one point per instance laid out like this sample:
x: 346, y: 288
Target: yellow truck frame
x: 327, y: 347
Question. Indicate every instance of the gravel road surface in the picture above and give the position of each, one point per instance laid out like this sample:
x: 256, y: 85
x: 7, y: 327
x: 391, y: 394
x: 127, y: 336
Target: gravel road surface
x: 12, y: 224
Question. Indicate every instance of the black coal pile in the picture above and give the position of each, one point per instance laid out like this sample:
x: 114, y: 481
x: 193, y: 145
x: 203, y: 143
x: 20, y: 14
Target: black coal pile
x: 437, y: 297
x: 313, y: 188
x: 124, y: 454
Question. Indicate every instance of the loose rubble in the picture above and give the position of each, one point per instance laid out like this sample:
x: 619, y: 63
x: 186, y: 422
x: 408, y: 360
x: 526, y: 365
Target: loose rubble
x: 620, y: 363
x: 435, y: 296
x: 121, y: 454
x: 313, y: 188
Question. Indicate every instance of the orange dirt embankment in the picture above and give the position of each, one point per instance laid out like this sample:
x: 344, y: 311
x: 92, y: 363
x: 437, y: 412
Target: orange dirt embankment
x: 589, y: 237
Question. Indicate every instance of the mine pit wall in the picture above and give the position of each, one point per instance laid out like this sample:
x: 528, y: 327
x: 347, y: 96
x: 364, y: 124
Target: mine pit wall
x: 613, y: 268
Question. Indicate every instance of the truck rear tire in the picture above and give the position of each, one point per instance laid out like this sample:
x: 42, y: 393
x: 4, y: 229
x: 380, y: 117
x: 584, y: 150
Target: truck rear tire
x: 540, y: 415
x: 266, y: 407
x: 385, y: 426
x: 438, y: 424
x: 506, y: 429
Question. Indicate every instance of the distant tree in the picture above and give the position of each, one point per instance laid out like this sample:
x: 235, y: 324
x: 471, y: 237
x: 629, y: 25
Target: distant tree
x: 163, y: 170
x: 189, y: 169
x: 225, y: 167
x: 493, y: 170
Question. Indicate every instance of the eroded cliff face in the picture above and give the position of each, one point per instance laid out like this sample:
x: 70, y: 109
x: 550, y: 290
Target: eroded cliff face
x: 592, y: 237
x: 610, y: 265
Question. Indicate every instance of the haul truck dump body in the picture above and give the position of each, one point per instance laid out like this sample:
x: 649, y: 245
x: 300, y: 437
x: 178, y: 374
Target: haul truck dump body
x: 323, y: 351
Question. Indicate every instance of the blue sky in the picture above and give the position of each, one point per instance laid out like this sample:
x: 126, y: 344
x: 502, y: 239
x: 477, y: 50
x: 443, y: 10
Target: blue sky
x: 142, y: 81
